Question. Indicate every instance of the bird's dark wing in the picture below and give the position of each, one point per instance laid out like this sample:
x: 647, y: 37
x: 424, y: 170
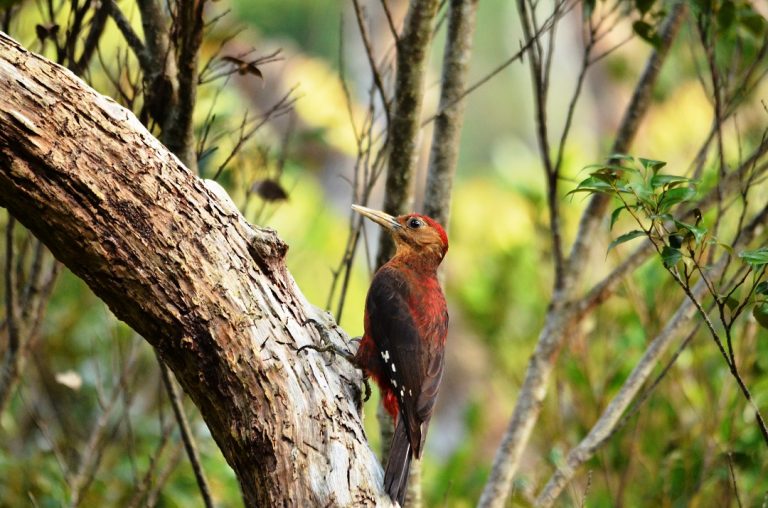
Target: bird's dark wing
x: 412, y: 367
x: 432, y: 369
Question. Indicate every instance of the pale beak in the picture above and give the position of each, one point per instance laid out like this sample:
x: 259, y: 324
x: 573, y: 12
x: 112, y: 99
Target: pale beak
x: 380, y: 218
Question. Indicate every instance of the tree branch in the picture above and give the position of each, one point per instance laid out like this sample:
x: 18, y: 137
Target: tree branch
x: 412, y: 51
x: 186, y: 433
x: 130, y: 36
x: 9, y: 368
x: 447, y: 134
x: 178, y: 131
x: 184, y: 269
x: 560, y: 315
x: 611, y: 417
x: 98, y: 22
x: 371, y: 59
x: 26, y: 303
x: 636, y: 109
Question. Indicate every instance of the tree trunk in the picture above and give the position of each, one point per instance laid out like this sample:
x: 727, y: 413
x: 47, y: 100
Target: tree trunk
x: 183, y: 268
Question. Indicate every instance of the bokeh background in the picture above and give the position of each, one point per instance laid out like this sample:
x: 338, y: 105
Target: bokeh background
x: 683, y: 448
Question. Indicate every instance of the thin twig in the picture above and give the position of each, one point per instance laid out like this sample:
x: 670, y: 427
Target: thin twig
x: 371, y: 59
x: 162, y: 478
x: 517, y: 56
x: 100, y: 433
x: 186, y: 433
x: 390, y: 22
x: 9, y: 368
x: 98, y: 22
x: 733, y: 479
x: 133, y: 40
x: 282, y: 107
x: 140, y: 492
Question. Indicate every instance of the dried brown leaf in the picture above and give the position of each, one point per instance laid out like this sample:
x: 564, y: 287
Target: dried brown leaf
x: 269, y: 190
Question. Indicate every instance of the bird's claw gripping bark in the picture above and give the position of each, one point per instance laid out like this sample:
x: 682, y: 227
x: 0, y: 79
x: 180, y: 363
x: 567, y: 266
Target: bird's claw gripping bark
x: 367, y: 389
x: 328, y: 347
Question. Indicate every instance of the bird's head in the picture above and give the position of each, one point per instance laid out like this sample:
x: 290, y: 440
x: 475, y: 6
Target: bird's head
x: 413, y: 233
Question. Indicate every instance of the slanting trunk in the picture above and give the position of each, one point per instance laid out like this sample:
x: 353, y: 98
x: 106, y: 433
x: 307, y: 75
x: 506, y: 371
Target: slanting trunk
x: 184, y: 269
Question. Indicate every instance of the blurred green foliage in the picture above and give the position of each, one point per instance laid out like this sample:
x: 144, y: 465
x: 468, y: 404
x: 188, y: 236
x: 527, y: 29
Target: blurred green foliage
x: 313, y: 26
x: 679, y: 450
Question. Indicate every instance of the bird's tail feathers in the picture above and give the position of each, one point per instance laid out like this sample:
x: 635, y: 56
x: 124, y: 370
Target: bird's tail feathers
x: 398, y: 464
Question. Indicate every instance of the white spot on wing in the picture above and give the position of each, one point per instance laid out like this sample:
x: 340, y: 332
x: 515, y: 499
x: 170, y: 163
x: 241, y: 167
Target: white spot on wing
x: 385, y: 355
x: 393, y: 368
x: 394, y: 383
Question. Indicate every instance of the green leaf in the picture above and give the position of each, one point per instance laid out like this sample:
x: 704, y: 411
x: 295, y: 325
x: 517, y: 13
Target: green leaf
x: 672, y: 197
x: 762, y: 288
x: 593, y: 184
x: 643, y: 193
x: 644, y: 5
x: 676, y: 240
x: 606, y: 174
x: 732, y: 303
x: 698, y: 232
x: 662, y: 180
x: 755, y: 258
x: 646, y: 32
x: 618, y: 157
x: 704, y: 6
x: 625, y: 238
x: 752, y: 21
x: 670, y: 256
x: 726, y: 14
x: 760, y: 312
x: 617, y: 168
x: 615, y: 215
x: 651, y: 164
x: 713, y: 241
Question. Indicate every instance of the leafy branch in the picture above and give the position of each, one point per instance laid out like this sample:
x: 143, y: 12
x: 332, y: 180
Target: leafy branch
x: 650, y: 198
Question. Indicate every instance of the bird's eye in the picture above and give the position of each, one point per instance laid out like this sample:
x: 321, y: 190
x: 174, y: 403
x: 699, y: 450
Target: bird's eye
x: 414, y: 223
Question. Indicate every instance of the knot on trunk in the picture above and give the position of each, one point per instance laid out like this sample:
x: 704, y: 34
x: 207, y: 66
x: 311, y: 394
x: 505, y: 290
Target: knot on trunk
x: 267, y: 250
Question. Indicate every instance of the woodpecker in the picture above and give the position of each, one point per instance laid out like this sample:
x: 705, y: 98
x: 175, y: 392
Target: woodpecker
x: 406, y: 324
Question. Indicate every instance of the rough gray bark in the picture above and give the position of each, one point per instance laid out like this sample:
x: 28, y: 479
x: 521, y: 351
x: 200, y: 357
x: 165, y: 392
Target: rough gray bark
x: 182, y: 267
